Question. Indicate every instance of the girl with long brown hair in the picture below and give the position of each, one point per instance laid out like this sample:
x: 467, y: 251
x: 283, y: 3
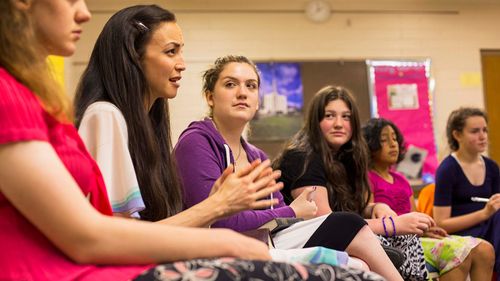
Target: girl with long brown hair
x: 329, y: 153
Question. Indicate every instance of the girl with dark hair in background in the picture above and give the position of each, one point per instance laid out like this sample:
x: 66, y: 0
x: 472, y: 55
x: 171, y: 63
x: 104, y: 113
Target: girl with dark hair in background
x: 467, y: 196
x: 455, y: 257
x: 329, y: 153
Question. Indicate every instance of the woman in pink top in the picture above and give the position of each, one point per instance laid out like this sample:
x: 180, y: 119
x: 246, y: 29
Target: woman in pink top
x: 55, y: 218
x: 455, y: 257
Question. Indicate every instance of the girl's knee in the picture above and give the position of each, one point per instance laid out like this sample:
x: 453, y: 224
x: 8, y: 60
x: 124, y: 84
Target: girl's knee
x: 483, y: 253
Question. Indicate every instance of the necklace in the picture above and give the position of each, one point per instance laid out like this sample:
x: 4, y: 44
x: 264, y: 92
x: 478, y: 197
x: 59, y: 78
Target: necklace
x: 227, y: 146
x: 239, y: 153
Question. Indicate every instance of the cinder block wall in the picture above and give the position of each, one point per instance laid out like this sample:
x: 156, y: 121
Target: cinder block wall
x: 449, y: 32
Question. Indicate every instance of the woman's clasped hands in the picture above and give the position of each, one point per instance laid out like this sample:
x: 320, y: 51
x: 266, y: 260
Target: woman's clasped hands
x: 246, y: 188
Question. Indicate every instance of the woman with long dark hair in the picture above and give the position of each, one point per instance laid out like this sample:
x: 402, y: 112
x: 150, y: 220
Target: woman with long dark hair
x: 123, y: 117
x: 329, y: 152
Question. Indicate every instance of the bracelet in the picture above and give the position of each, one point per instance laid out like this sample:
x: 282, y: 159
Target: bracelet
x: 385, y: 228
x: 393, y: 227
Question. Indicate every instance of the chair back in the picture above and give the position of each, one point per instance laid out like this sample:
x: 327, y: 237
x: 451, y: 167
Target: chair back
x: 425, y: 201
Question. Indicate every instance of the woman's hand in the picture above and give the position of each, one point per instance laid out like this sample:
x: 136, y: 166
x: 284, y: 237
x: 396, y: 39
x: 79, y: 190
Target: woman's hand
x: 304, y: 205
x: 412, y: 223
x: 380, y: 210
x: 242, y: 190
x: 244, y: 247
x: 436, y: 232
x: 492, y: 206
x: 220, y: 180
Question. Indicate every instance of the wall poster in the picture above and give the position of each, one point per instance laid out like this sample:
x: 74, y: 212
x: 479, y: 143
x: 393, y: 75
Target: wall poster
x: 400, y: 91
x: 280, y: 102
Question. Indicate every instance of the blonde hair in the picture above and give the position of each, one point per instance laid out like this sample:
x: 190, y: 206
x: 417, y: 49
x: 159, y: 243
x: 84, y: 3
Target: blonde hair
x: 20, y: 56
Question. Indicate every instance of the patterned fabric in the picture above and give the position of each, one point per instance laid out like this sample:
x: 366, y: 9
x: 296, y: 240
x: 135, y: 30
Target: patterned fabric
x: 449, y: 252
x: 413, y: 269
x: 234, y: 269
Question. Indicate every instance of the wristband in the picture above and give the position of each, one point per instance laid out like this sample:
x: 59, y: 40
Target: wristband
x: 385, y: 228
x: 393, y: 226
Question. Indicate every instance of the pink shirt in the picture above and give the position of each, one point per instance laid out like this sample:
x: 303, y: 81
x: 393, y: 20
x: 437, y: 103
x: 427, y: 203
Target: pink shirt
x: 396, y: 194
x: 26, y: 254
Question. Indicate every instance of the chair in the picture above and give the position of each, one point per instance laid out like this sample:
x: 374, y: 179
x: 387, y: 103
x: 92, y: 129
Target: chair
x: 425, y: 201
x: 395, y: 255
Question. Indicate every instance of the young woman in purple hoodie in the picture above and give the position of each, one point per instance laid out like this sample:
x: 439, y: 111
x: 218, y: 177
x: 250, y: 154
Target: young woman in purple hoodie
x: 206, y: 148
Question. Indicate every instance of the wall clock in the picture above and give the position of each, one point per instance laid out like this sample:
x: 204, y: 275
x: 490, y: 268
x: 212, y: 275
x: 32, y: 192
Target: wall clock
x: 318, y: 10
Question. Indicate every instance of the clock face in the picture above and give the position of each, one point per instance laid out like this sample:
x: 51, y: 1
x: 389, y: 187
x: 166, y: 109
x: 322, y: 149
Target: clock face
x: 318, y: 10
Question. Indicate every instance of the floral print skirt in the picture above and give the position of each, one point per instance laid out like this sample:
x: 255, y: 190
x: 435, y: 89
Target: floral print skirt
x: 236, y: 269
x: 449, y: 252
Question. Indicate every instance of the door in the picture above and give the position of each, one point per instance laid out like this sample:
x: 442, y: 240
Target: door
x: 490, y: 60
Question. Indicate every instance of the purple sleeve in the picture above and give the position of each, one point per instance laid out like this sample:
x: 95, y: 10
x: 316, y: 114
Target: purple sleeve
x: 444, y: 183
x: 199, y: 165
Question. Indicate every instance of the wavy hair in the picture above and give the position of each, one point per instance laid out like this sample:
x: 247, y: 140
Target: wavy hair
x: 20, y: 56
x: 345, y: 169
x: 114, y: 74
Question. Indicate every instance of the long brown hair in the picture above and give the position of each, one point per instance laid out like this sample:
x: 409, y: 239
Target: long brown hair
x: 346, y: 169
x: 20, y: 56
x: 114, y: 74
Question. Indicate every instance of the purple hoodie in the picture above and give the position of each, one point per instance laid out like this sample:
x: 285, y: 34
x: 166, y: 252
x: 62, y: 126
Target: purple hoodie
x: 201, y: 159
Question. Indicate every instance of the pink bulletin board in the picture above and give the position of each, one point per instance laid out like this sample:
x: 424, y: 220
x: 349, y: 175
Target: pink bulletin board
x: 400, y: 92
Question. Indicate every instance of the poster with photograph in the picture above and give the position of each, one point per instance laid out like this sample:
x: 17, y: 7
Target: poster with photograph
x: 281, y: 101
x: 402, y: 96
x: 400, y: 92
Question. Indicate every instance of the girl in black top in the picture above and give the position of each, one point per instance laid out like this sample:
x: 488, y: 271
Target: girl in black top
x: 330, y: 154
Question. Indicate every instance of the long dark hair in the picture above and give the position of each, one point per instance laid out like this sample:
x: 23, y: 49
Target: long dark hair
x: 114, y: 74
x: 346, y: 169
x: 372, y: 131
